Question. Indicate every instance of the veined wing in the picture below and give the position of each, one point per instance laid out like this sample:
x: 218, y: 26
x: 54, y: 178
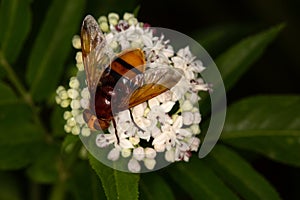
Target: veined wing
x: 94, y: 53
x: 156, y: 82
x: 145, y: 86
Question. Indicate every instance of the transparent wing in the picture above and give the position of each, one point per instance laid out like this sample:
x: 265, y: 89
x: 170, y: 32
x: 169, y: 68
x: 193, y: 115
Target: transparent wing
x: 144, y: 87
x: 94, y: 52
x: 156, y: 82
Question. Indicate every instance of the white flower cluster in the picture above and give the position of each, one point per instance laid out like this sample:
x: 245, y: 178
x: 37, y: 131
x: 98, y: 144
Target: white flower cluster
x: 168, y: 123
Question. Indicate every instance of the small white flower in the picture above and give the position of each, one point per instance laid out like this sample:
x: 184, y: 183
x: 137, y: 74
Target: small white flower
x: 187, y: 105
x: 85, y: 93
x: 126, y: 144
x: 78, y: 57
x: 76, y: 42
x: 113, y: 18
x: 85, y: 131
x: 75, y: 104
x: 195, y: 129
x: 72, y: 93
x: 134, y: 166
x: 197, y: 117
x: 170, y: 155
x: 103, y: 140
x: 67, y: 128
x: 139, y: 153
x: 159, y: 147
x: 150, y: 153
x: 102, y: 19
x: 75, y: 130
x: 58, y: 100
x: 71, y: 121
x: 84, y: 103
x: 149, y: 163
x: 134, y: 140
x: 63, y: 94
x: 114, y: 154
x: 126, y: 153
x: 79, y: 119
x: 65, y: 103
x: 74, y: 83
x: 59, y: 89
x: 188, y: 118
x: 104, y: 26
x: 194, y: 143
x: 80, y: 66
x: 67, y: 115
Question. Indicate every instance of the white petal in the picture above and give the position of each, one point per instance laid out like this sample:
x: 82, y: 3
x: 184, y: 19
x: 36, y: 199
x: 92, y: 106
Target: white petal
x: 187, y: 105
x: 134, y: 166
x: 194, y: 98
x: 160, y: 139
x: 84, y: 103
x: 150, y: 153
x: 125, y: 153
x: 75, y: 104
x: 114, y: 154
x: 85, y: 131
x: 195, y: 142
x: 139, y: 153
x: 138, y: 110
x: 188, y: 118
x: 197, y: 118
x: 170, y: 155
x: 134, y: 140
x: 101, y: 141
x: 149, y: 163
x: 160, y: 147
x: 79, y: 119
x: 178, y: 123
x: 155, y: 131
x: 153, y: 102
x: 85, y: 93
x: 195, y: 129
x: 73, y: 93
x: 185, y: 133
x: 125, y: 144
x: 167, y: 106
x: 146, y: 135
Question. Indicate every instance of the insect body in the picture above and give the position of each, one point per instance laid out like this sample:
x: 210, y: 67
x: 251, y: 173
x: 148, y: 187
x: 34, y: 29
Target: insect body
x: 120, y: 83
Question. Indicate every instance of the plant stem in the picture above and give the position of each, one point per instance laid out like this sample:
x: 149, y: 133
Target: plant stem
x: 14, y: 79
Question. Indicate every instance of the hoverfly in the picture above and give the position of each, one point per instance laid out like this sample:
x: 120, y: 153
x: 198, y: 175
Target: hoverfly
x: 135, y: 84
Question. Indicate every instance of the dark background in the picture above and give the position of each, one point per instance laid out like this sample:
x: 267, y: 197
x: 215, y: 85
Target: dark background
x: 276, y: 72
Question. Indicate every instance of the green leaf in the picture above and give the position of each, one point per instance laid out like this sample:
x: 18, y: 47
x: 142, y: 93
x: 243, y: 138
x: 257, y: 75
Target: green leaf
x: 52, y: 46
x: 9, y: 187
x: 15, y: 21
x: 269, y: 125
x: 154, y: 187
x: 44, y: 169
x: 19, y: 139
x: 217, y: 38
x: 7, y: 95
x: 116, y: 184
x: 84, y: 183
x: 198, y: 180
x: 19, y: 146
x: 235, y: 61
x: 239, y: 175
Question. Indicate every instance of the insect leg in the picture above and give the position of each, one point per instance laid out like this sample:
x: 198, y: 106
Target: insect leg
x: 131, y: 116
x: 116, y: 132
